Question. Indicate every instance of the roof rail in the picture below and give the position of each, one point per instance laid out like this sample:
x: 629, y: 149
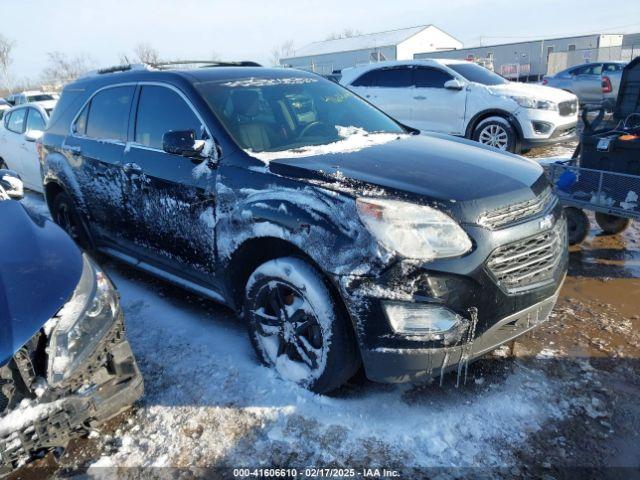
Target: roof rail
x: 122, y: 68
x: 168, y: 65
x: 203, y: 64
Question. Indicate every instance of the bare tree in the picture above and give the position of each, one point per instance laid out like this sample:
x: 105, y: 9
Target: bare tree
x: 346, y: 33
x: 63, y: 69
x: 283, y: 51
x: 145, y: 53
x: 6, y: 48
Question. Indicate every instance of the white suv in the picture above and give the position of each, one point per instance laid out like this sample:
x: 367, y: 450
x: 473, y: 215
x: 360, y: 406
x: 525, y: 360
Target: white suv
x: 462, y: 98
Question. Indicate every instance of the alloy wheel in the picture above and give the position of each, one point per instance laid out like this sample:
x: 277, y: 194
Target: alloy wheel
x: 66, y: 220
x: 288, y: 329
x: 494, y: 135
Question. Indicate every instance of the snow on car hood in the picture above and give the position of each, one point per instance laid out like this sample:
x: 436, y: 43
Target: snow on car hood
x: 40, y: 268
x: 432, y: 166
x: 540, y: 92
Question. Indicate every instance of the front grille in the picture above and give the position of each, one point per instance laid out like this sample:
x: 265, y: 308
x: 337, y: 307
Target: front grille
x: 518, y: 211
x: 530, y: 262
x: 567, y: 108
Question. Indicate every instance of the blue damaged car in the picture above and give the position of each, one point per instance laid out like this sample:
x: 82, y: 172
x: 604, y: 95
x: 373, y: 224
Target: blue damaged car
x: 65, y: 365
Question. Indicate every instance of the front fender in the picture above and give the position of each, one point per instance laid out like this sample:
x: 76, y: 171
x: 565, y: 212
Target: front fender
x: 323, y: 224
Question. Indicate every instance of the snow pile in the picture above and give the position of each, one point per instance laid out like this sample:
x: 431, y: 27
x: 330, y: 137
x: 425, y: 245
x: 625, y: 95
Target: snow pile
x: 353, y: 140
x: 208, y: 403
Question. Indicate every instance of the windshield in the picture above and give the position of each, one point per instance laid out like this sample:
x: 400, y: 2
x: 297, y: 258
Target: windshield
x: 290, y: 112
x: 476, y: 73
x: 40, y: 97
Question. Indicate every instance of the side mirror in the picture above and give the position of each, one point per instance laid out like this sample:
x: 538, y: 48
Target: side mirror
x: 33, y: 135
x: 453, y: 84
x: 182, y: 142
x: 11, y: 185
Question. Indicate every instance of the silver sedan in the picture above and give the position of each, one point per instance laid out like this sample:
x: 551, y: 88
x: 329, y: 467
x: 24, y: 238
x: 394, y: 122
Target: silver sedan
x: 593, y: 83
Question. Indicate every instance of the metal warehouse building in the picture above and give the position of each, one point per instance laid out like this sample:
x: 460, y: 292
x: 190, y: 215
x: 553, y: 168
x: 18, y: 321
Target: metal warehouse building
x: 532, y: 59
x: 329, y: 55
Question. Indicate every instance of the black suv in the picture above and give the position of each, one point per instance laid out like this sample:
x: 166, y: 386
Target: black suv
x: 341, y: 237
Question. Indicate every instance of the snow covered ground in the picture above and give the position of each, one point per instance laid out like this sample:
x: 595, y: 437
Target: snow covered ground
x: 208, y: 403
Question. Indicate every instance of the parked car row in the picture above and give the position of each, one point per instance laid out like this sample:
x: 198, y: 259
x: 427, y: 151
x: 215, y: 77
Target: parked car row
x: 343, y: 238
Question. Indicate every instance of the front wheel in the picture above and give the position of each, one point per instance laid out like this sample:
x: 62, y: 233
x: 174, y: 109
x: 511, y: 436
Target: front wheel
x: 296, y: 326
x: 610, y: 224
x: 496, y: 132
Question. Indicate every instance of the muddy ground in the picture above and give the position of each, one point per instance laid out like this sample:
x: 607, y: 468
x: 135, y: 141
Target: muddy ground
x: 589, y: 352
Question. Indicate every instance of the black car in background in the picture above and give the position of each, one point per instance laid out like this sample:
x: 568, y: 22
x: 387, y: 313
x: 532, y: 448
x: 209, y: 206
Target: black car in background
x: 65, y: 364
x: 341, y: 237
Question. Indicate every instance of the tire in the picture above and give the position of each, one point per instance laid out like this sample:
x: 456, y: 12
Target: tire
x: 66, y: 215
x: 577, y: 225
x: 496, y: 132
x: 610, y: 224
x: 296, y: 326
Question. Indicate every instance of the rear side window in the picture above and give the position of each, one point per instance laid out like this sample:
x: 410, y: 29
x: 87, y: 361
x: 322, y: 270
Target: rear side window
x: 16, y: 121
x: 425, y: 77
x: 397, y: 77
x: 160, y: 110
x: 108, y: 114
x: 35, y: 120
x: 612, y: 67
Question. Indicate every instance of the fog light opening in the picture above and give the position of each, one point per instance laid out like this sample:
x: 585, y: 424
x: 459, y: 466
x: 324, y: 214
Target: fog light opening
x: 542, y: 128
x: 424, y: 320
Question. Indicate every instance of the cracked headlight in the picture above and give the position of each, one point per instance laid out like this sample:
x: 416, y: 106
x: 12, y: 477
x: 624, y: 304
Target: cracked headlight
x: 413, y: 231
x: 529, y: 102
x: 81, y: 323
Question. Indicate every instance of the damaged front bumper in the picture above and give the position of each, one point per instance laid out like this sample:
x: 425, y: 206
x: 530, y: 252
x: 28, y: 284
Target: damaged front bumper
x: 107, y: 384
x: 507, y: 286
x: 391, y: 365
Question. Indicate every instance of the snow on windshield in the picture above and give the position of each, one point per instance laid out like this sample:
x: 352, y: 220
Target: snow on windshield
x: 353, y: 139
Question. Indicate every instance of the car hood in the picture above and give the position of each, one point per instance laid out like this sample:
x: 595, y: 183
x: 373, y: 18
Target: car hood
x: 540, y: 92
x: 40, y: 268
x: 454, y: 172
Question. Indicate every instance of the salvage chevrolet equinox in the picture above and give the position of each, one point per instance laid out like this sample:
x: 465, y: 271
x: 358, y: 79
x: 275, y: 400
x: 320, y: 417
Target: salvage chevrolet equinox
x: 341, y: 237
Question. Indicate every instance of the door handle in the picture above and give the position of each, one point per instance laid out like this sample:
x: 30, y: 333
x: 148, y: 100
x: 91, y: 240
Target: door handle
x: 73, y: 149
x: 419, y: 97
x: 132, y: 169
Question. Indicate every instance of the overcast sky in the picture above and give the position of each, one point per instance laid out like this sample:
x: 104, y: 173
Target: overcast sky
x: 249, y: 29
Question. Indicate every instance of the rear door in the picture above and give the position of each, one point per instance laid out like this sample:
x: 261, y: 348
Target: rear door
x: 12, y: 141
x: 175, y: 204
x: 435, y: 108
x: 390, y: 89
x: 587, y: 83
x: 94, y: 149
